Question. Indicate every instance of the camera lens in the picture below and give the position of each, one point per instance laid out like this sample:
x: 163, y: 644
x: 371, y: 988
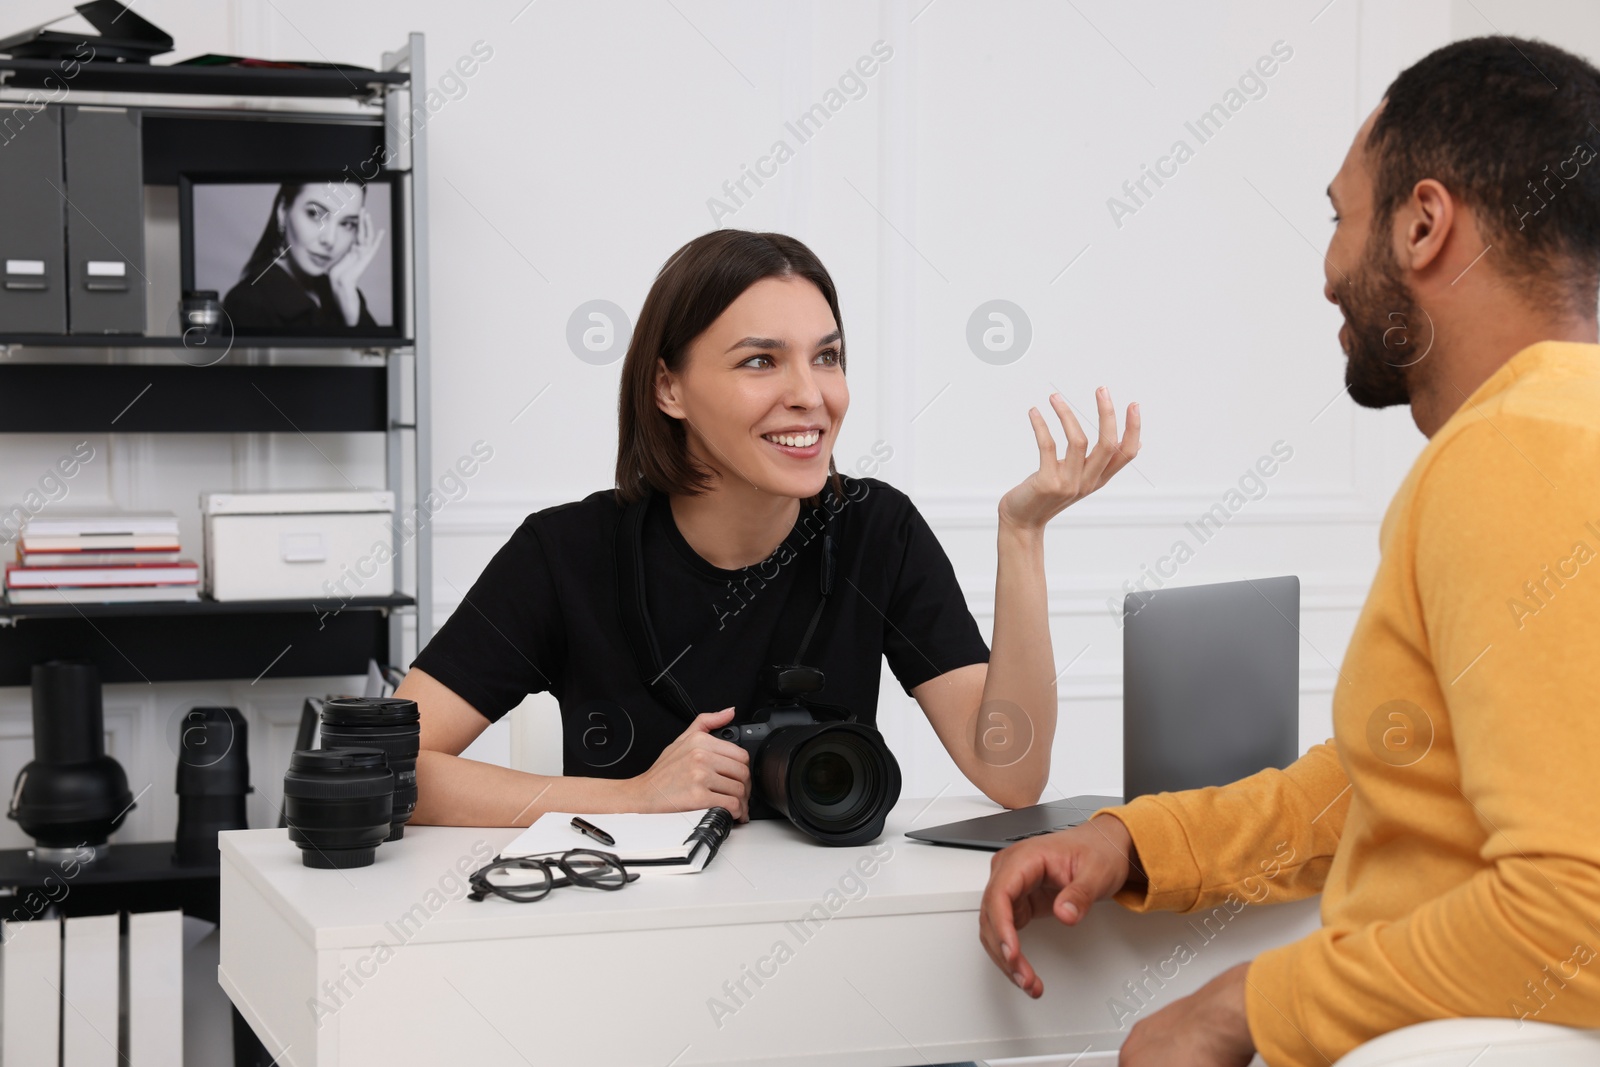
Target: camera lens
x: 836, y: 784
x: 836, y: 781
x: 386, y: 723
x: 829, y: 777
x: 338, y: 803
x: 213, y: 778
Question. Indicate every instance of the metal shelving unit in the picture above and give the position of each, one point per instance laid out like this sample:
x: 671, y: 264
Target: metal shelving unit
x: 115, y: 77
x: 185, y: 641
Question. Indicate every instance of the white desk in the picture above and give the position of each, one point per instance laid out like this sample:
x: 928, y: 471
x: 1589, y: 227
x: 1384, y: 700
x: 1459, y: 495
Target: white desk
x: 894, y: 975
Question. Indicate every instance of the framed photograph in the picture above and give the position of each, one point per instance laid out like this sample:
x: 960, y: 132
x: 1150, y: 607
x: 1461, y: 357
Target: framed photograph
x: 297, y: 255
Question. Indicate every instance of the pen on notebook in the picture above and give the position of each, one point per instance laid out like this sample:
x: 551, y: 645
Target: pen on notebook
x: 589, y: 829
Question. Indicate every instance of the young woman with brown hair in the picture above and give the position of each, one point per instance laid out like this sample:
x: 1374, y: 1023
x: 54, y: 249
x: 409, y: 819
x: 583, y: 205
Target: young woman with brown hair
x: 733, y: 393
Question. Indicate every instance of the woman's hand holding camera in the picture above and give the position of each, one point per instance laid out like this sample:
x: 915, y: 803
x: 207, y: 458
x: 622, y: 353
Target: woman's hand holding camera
x: 697, y: 771
x: 1062, y: 481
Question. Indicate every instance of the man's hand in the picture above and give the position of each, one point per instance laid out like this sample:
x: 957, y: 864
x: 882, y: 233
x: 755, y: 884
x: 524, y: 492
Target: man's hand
x: 1060, y: 874
x: 1208, y: 1028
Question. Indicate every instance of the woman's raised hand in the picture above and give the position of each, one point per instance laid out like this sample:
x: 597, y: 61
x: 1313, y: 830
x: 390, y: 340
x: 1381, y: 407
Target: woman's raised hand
x: 697, y: 771
x: 1061, y: 481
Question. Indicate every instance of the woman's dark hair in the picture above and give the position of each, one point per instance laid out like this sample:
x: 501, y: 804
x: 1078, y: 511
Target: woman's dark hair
x: 694, y: 286
x: 272, y: 242
x: 1508, y: 125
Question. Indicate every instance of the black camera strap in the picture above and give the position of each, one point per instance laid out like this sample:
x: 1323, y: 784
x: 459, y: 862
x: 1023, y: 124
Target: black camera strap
x: 816, y: 570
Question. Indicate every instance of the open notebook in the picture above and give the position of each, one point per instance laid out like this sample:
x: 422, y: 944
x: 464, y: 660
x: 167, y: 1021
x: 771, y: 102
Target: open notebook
x: 673, y: 842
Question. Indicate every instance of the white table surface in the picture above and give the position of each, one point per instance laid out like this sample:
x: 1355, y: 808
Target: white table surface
x: 328, y: 968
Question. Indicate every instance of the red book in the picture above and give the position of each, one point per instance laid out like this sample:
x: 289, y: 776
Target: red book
x: 183, y: 572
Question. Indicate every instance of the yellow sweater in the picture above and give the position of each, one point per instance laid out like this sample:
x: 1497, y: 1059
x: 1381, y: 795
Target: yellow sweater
x: 1452, y: 824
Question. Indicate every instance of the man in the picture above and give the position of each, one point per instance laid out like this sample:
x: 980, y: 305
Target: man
x: 1452, y: 824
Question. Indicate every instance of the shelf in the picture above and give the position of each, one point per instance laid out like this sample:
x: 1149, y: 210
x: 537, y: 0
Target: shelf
x: 223, y: 81
x: 131, y: 340
x: 146, y: 398
x: 203, y: 606
x: 140, y: 876
x: 205, y: 641
x: 207, y: 389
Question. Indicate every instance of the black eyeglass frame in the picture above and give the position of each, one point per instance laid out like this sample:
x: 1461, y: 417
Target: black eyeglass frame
x: 482, y: 887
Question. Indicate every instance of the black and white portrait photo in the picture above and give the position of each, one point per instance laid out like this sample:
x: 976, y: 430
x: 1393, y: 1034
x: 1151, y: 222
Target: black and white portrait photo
x: 296, y: 257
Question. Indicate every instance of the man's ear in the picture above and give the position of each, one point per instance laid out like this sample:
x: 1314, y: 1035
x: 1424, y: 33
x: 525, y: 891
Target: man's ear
x: 667, y: 391
x: 1429, y: 219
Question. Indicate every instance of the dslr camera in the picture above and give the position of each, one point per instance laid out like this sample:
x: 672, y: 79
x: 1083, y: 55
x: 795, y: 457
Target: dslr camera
x: 829, y: 775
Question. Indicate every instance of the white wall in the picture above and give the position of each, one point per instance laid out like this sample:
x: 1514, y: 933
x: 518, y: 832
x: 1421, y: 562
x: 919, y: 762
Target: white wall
x: 976, y: 166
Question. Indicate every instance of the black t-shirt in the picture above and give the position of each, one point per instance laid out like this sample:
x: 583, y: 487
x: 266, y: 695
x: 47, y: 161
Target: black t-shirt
x: 546, y: 615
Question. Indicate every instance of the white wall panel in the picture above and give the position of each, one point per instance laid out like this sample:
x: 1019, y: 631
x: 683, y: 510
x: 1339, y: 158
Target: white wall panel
x: 975, y: 165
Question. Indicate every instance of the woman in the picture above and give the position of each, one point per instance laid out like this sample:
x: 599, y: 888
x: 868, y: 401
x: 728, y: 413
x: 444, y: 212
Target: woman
x: 733, y: 393
x: 303, y: 275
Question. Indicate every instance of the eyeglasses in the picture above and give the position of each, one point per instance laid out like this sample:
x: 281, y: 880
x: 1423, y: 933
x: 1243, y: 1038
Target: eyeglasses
x: 530, y: 878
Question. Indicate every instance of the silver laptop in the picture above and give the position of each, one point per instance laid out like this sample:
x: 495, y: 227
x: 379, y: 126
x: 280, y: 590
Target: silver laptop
x: 1210, y: 694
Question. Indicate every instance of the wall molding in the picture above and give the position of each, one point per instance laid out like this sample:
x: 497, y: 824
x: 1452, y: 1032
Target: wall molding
x: 499, y: 517
x: 1069, y: 598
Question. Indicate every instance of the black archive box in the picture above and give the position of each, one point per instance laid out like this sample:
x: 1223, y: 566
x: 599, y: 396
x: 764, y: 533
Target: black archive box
x: 105, y: 219
x: 33, y: 284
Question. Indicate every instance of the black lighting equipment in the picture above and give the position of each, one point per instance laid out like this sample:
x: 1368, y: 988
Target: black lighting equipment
x: 338, y: 803
x: 72, y: 796
x: 831, y: 776
x: 213, y: 778
x: 388, y: 723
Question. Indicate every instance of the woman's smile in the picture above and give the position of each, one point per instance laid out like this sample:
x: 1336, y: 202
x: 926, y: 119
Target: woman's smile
x: 798, y: 442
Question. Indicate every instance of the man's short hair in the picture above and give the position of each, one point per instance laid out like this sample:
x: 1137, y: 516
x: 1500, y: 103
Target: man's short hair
x: 1512, y: 128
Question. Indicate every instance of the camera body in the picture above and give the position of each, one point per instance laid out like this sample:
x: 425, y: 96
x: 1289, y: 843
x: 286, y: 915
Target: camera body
x: 752, y: 735
x: 833, y: 777
x: 788, y: 684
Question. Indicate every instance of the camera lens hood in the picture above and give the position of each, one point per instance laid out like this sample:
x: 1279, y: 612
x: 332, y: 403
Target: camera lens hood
x: 836, y: 781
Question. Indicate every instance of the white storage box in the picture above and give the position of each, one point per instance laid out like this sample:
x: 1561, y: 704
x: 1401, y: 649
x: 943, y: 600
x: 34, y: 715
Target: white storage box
x: 278, y: 545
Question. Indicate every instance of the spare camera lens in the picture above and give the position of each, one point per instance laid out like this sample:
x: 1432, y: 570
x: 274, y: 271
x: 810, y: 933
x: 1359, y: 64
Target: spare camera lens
x: 388, y: 723
x: 338, y: 803
x: 213, y: 778
x: 200, y: 308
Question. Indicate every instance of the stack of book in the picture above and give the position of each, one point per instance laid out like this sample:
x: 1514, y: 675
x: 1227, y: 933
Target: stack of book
x: 100, y: 556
